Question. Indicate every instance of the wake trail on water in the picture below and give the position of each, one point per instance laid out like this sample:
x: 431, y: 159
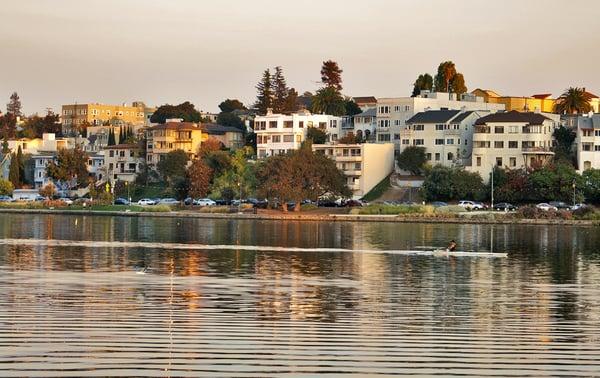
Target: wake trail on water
x: 261, y: 248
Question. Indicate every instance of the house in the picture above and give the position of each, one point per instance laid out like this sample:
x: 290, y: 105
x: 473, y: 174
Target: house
x: 280, y: 133
x: 366, y: 102
x: 446, y: 135
x: 95, y: 165
x: 587, y: 141
x: 122, y: 162
x: 364, y: 165
x: 512, y: 140
x: 392, y: 113
x: 170, y: 136
x: 230, y: 137
x: 536, y: 103
x: 365, y: 124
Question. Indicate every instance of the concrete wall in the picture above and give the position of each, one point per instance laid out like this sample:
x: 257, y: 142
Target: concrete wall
x: 378, y: 162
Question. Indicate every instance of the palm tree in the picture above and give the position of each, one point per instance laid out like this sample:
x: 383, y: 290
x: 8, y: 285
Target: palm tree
x: 573, y: 101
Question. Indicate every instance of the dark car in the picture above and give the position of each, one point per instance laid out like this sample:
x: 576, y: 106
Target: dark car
x: 504, y: 206
x: 353, y: 203
x: 222, y: 202
x: 327, y: 203
x: 121, y: 201
x: 559, y: 205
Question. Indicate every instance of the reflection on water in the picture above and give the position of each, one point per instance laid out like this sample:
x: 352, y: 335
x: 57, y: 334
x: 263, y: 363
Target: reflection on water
x: 85, y: 311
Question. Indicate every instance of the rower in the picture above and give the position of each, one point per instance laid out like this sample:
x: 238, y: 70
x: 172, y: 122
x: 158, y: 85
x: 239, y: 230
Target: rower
x: 452, y: 246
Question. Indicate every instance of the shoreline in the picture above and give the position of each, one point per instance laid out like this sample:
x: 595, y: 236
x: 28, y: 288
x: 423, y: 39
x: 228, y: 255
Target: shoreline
x: 306, y: 217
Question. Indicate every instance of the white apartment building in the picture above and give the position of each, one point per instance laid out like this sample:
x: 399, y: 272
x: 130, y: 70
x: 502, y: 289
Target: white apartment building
x: 446, y: 135
x: 122, y: 162
x: 364, y: 165
x: 280, y: 133
x: 392, y: 113
x: 512, y: 140
x: 588, y: 141
x: 365, y: 124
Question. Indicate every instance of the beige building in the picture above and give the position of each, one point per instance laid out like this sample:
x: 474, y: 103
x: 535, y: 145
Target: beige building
x: 75, y: 115
x: 365, y: 165
x: 122, y: 162
x: 170, y: 136
x: 588, y: 141
x: 512, y: 140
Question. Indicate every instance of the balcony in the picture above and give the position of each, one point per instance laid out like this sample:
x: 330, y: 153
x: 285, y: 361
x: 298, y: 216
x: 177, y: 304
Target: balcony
x: 356, y: 158
x: 537, y: 150
x: 482, y: 130
x: 452, y: 132
x: 407, y: 132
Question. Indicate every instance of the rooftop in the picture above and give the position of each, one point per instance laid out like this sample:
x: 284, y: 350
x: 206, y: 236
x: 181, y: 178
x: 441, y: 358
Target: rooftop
x: 216, y: 129
x: 513, y: 116
x: 365, y: 99
x: 433, y: 116
x: 123, y: 146
x: 367, y: 113
x: 175, y: 126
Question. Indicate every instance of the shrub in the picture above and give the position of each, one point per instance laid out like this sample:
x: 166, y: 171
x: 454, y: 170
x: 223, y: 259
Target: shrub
x: 584, y: 212
x: 156, y: 209
x: 6, y: 187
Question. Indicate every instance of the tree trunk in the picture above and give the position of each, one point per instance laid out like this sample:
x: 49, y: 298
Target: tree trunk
x: 297, y: 207
x: 284, y: 207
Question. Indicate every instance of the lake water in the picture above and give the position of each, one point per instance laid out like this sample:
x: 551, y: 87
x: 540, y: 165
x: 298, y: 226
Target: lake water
x: 83, y: 309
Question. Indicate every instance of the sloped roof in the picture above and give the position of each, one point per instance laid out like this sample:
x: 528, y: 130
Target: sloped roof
x: 542, y: 96
x: 433, y: 116
x: 216, y: 129
x: 365, y: 99
x: 513, y: 116
x: 489, y: 92
x: 122, y: 147
x: 461, y: 117
x: 367, y: 113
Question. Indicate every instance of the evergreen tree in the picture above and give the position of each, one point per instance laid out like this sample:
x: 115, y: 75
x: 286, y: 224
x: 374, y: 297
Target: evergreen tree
x: 111, y: 137
x: 280, y: 91
x: 121, y: 134
x: 14, y: 105
x: 264, y: 98
x: 423, y: 82
x: 5, y: 149
x: 21, y: 164
x: 13, y: 172
x: 331, y: 75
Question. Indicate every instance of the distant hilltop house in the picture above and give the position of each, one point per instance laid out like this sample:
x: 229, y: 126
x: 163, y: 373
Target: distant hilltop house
x: 74, y: 116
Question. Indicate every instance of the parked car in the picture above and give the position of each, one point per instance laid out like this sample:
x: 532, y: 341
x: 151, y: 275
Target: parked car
x: 204, y: 202
x: 578, y: 206
x: 327, y: 203
x: 353, y: 203
x: 222, y: 202
x: 559, y: 205
x: 6, y: 199
x: 40, y: 199
x: 168, y: 201
x: 66, y: 201
x: 438, y: 204
x: 146, y: 202
x: 504, y: 206
x: 546, y: 207
x: 482, y: 205
x: 121, y: 201
x: 471, y: 205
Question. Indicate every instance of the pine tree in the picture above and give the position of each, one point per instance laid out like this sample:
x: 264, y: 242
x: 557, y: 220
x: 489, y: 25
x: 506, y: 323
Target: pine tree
x: 14, y: 105
x: 331, y: 75
x: 121, y: 134
x: 13, y: 172
x: 280, y: 91
x: 111, y: 137
x: 21, y: 164
x: 264, y: 98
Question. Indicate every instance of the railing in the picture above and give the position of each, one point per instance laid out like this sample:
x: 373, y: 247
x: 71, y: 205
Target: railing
x: 482, y: 129
x: 536, y: 149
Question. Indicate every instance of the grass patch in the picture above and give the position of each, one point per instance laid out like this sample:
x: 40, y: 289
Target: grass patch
x: 378, y: 190
x: 377, y: 209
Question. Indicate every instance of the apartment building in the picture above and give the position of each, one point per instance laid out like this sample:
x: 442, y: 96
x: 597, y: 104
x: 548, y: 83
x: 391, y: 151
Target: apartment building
x: 587, y: 141
x: 512, y: 140
x: 280, y: 133
x: 74, y: 115
x: 122, y: 162
x: 392, y: 113
x: 446, y: 135
x: 364, y: 165
x: 535, y: 103
x: 365, y: 124
x: 170, y: 136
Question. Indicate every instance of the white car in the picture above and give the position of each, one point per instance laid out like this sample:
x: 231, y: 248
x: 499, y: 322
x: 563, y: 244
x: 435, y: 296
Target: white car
x: 471, y: 205
x: 546, y: 207
x: 66, y: 201
x: 204, y: 202
x: 578, y: 206
x: 146, y: 202
x: 168, y: 201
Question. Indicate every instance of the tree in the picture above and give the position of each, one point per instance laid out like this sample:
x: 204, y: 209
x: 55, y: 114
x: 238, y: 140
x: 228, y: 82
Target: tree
x: 412, y: 159
x: 510, y: 185
x: 349, y: 138
x: 574, y: 100
x: 291, y: 101
x: 230, y: 119
x: 36, y: 126
x: 591, y: 179
x: 352, y: 107
x: 21, y: 165
x: 553, y: 182
x: 264, y: 99
x: 423, y: 82
x: 111, y: 137
x: 230, y: 105
x: 8, y: 125
x: 48, y: 191
x: 209, y: 145
x: 448, y: 79
x: 452, y: 183
x: 331, y: 75
x: 328, y: 100
x: 199, y: 177
x: 14, y: 105
x: 173, y: 165
x: 69, y: 167
x: 185, y: 111
x: 457, y: 84
x: 280, y: 91
x: 13, y: 172
x: 5, y: 149
x: 121, y: 135
x: 238, y: 179
x: 6, y: 187
x: 316, y: 135
x: 564, y: 142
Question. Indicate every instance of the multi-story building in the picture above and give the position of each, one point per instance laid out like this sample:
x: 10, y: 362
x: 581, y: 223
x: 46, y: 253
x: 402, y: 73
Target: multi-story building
x: 365, y: 165
x: 392, y: 113
x: 170, y: 136
x: 365, y: 124
x: 446, y: 135
x: 366, y: 102
x: 75, y: 115
x: 122, y: 162
x: 588, y: 141
x: 230, y: 137
x: 280, y: 133
x: 512, y: 140
x: 536, y: 103
x: 95, y: 166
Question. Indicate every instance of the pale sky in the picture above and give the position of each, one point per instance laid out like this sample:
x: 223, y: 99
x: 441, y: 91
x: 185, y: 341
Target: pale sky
x: 168, y: 51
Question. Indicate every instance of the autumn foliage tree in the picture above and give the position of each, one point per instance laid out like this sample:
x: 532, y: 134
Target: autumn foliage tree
x: 69, y: 167
x: 199, y: 178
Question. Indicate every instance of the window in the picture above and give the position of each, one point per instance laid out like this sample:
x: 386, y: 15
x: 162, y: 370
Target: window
x: 406, y: 108
x: 419, y: 127
x: 322, y: 125
x: 301, y: 124
x: 439, y: 127
x: 418, y: 142
x: 513, y: 144
x: 450, y: 156
x: 397, y: 108
x: 439, y: 142
x: 405, y: 141
x: 437, y: 156
x: 513, y: 161
x: 288, y: 138
x: 384, y: 109
x: 428, y: 156
x: 596, y: 148
x: 397, y: 122
x: 272, y: 124
x: 384, y: 123
x: 111, y: 153
x: 383, y: 137
x: 357, y: 166
x: 499, y: 161
x: 479, y: 161
x: 288, y: 124
x: 396, y: 136
x: 596, y: 132
x: 499, y: 129
x: 513, y: 129
x: 498, y: 144
x: 481, y: 144
x: 450, y: 141
x: 276, y: 138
